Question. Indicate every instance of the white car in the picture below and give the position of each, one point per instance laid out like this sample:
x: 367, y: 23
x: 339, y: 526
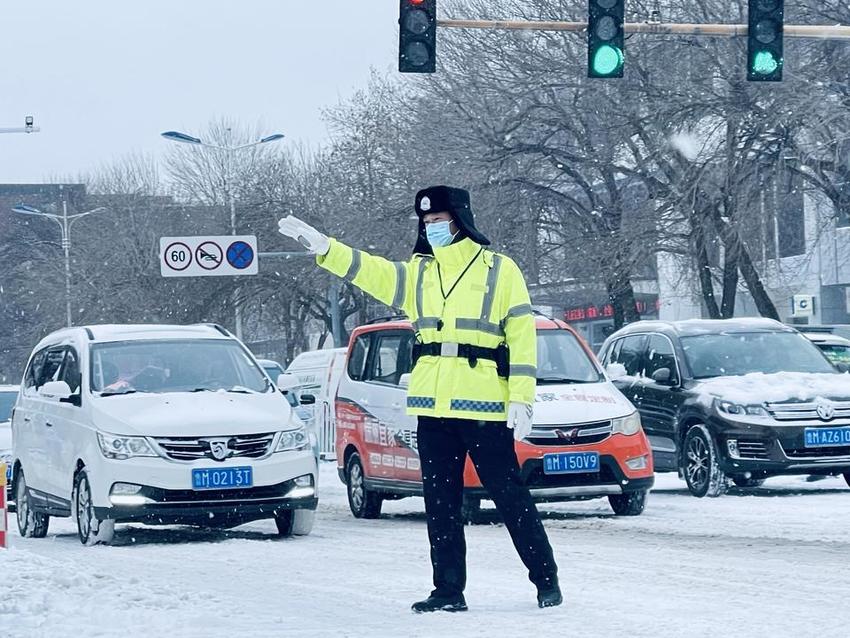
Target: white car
x: 8, y: 396
x: 156, y: 424
x: 318, y: 373
x: 834, y: 348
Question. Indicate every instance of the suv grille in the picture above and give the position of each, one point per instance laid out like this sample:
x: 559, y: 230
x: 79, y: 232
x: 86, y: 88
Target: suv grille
x: 565, y: 435
x: 252, y: 446
x: 752, y: 450
x: 806, y: 411
x: 817, y: 452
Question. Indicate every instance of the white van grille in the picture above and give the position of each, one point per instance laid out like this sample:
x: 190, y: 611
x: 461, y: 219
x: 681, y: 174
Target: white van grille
x: 181, y: 448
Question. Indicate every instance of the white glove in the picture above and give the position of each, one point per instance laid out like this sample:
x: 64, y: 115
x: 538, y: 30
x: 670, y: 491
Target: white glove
x: 520, y: 418
x: 304, y: 234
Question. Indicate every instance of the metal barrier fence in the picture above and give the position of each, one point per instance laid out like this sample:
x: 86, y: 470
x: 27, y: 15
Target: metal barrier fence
x: 326, y: 431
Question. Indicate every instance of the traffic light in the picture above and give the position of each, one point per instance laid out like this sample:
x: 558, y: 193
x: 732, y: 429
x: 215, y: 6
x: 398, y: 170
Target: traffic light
x: 764, y: 40
x: 417, y: 36
x: 605, y: 50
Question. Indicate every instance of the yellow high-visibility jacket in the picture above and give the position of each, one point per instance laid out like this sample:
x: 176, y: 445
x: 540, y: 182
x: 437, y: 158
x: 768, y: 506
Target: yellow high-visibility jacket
x: 489, y: 306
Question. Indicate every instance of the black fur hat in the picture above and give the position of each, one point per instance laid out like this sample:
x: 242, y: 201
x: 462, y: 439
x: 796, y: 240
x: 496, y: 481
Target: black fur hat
x: 438, y: 199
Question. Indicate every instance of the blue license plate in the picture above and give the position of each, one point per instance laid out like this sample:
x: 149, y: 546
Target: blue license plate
x: 827, y: 437
x: 571, y: 463
x: 224, y: 478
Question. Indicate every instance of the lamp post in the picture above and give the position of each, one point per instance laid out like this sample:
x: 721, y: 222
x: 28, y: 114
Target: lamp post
x: 28, y: 127
x: 65, y: 221
x: 230, y: 202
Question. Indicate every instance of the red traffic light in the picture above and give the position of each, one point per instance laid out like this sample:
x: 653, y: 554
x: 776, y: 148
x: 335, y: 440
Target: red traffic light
x: 417, y: 33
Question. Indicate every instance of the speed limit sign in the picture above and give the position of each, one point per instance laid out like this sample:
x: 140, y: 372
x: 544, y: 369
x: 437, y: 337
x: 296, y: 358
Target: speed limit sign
x: 208, y: 256
x: 177, y: 256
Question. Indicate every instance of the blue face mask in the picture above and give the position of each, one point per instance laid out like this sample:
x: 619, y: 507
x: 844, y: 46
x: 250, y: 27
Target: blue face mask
x: 439, y: 234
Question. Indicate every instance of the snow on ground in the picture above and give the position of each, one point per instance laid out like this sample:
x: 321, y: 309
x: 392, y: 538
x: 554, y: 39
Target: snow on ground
x: 770, y: 562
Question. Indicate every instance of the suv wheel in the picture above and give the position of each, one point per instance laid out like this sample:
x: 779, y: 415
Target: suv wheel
x: 294, y: 522
x: 363, y: 502
x: 753, y: 481
x: 31, y: 524
x: 90, y: 529
x: 629, y: 504
x: 847, y: 477
x: 700, y: 464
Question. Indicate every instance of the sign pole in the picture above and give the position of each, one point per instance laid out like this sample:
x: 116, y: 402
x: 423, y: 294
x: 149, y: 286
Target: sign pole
x: 815, y: 31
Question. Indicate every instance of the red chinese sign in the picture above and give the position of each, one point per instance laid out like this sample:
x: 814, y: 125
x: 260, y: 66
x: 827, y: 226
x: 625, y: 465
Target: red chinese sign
x: 591, y: 313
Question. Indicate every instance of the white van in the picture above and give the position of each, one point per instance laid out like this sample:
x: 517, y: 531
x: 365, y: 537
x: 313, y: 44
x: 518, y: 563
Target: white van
x: 318, y: 373
x: 156, y: 424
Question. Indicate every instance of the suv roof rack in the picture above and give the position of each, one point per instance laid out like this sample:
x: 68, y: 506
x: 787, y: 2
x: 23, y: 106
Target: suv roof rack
x: 386, y: 318
x: 215, y: 326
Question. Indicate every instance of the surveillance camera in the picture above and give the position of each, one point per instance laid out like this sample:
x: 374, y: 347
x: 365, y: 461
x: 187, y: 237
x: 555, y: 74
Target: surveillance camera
x: 28, y: 120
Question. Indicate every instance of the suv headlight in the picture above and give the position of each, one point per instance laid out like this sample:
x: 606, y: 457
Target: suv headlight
x: 627, y: 425
x: 123, y: 447
x: 296, y: 439
x: 734, y: 409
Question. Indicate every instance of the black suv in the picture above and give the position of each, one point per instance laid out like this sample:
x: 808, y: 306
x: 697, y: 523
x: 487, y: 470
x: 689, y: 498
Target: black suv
x: 739, y: 399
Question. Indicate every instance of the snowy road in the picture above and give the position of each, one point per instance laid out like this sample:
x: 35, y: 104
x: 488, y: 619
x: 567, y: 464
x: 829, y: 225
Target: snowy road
x: 769, y: 562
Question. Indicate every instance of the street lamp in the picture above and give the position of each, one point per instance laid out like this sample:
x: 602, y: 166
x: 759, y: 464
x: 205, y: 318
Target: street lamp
x: 28, y: 127
x: 65, y: 221
x: 184, y: 138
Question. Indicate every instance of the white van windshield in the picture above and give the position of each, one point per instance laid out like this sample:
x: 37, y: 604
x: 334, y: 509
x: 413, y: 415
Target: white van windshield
x: 195, y: 365
x: 561, y: 359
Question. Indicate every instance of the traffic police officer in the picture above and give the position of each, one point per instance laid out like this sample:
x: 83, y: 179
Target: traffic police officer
x: 474, y: 374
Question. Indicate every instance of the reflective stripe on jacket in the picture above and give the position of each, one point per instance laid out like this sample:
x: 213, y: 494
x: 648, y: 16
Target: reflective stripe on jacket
x: 489, y: 306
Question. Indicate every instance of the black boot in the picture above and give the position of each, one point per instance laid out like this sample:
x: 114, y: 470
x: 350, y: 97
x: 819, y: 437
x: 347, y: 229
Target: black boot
x: 549, y: 597
x: 440, y: 603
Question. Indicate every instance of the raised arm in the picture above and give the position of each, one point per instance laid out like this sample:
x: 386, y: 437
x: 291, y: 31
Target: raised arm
x: 389, y: 282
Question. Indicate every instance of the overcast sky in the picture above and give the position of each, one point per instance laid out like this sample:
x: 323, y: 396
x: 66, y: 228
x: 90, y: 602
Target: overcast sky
x: 105, y: 77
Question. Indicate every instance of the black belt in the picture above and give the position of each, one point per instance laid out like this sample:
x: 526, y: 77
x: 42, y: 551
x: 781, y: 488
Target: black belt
x: 499, y: 355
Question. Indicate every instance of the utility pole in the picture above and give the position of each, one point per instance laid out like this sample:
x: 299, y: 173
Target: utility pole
x: 336, y: 314
x: 66, y: 247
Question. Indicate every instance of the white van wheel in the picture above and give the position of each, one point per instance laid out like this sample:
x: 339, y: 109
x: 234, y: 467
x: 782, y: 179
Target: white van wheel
x: 31, y: 524
x: 90, y: 529
x: 295, y: 522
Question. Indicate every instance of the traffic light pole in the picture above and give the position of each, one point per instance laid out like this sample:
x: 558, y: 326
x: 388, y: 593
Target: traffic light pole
x: 815, y: 31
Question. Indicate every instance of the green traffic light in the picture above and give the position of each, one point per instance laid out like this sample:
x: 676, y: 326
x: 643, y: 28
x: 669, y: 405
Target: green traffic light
x: 607, y: 60
x: 765, y: 63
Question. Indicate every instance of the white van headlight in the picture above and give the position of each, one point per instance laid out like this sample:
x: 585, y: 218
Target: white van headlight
x: 627, y: 425
x: 123, y: 447
x: 293, y: 440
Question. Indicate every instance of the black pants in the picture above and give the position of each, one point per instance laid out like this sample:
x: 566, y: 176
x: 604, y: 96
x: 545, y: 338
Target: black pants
x: 443, y: 445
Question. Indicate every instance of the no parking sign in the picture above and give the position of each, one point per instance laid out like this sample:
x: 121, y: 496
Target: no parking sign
x: 208, y: 256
